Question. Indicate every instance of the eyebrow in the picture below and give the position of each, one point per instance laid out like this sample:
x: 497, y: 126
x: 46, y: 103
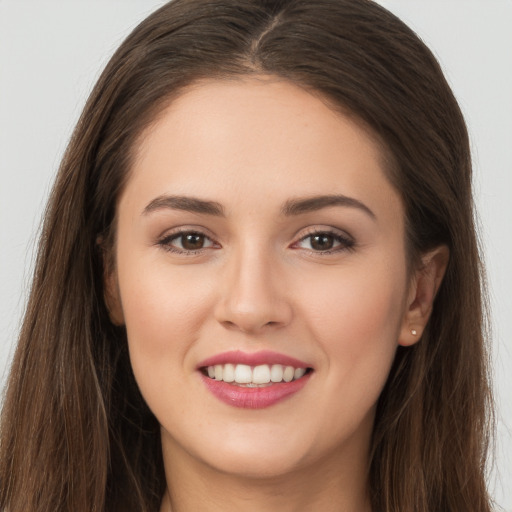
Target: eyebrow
x: 314, y: 203
x: 186, y: 203
x: 291, y: 207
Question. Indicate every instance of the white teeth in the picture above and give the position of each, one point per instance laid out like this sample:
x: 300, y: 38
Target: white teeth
x: 228, y: 375
x: 288, y: 373
x: 258, y: 375
x: 299, y: 372
x: 243, y: 374
x: 261, y: 374
x: 276, y: 373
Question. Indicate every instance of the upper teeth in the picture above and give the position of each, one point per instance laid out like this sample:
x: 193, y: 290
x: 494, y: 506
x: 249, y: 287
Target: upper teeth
x: 262, y: 374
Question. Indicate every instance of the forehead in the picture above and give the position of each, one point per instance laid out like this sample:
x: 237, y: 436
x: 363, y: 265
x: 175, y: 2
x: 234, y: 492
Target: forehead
x: 261, y: 137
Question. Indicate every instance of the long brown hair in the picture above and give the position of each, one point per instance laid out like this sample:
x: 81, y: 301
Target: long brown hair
x: 75, y: 431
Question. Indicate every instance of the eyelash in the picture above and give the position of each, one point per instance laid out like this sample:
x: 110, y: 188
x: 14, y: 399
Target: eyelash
x: 165, y: 242
x: 345, y: 242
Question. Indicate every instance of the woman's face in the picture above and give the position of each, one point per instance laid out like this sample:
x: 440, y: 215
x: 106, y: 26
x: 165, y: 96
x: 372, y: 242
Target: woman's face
x: 258, y: 233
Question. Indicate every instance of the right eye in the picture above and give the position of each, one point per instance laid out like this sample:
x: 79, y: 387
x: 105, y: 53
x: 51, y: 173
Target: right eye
x: 186, y: 242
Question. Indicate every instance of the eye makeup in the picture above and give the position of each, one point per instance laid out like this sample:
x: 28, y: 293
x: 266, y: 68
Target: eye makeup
x: 190, y: 242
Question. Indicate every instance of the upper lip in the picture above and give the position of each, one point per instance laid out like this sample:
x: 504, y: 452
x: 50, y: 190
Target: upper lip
x: 253, y: 359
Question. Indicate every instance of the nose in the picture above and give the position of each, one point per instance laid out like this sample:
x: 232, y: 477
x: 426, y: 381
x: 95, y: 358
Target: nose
x: 253, y: 293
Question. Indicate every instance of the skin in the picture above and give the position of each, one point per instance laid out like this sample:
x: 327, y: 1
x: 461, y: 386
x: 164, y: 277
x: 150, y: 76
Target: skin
x: 258, y: 283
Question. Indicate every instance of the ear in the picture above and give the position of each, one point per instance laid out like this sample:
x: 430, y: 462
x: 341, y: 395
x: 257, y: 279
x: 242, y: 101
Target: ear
x: 111, y: 294
x: 424, y: 286
x: 112, y: 298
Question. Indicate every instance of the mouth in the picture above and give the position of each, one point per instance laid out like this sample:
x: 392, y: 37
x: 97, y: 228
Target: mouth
x: 254, y: 381
x: 259, y: 376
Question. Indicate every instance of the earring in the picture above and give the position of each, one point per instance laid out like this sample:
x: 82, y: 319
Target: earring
x: 414, y: 332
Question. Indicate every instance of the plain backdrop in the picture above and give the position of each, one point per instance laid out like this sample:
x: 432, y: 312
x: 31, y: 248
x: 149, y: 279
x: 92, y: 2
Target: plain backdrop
x: 51, y: 53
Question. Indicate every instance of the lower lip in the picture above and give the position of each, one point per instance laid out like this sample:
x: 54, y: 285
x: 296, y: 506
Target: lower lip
x: 254, y: 398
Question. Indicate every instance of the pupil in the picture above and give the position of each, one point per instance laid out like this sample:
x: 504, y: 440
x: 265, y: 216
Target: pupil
x: 322, y: 242
x: 192, y: 241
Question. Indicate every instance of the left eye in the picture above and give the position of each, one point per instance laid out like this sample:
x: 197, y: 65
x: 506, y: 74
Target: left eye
x: 325, y: 242
x: 188, y: 241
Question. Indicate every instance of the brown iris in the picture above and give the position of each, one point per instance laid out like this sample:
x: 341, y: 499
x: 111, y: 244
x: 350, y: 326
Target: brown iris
x: 192, y: 241
x: 322, y: 242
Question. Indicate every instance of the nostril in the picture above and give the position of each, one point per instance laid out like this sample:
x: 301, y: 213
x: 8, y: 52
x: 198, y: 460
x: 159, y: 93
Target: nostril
x: 247, y: 325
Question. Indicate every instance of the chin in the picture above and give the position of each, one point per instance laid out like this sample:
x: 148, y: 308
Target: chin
x: 247, y: 452
x: 260, y: 466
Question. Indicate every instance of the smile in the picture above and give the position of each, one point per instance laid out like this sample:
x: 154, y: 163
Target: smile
x: 254, y: 381
x: 258, y: 376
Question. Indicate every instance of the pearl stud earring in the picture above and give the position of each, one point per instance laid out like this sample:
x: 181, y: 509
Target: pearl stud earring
x: 414, y: 332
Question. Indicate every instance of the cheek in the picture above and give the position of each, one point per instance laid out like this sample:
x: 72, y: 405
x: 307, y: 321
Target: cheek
x: 163, y: 311
x: 356, y: 320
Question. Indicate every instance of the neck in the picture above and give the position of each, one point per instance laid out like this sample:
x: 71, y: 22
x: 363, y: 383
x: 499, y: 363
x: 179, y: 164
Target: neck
x: 326, y: 485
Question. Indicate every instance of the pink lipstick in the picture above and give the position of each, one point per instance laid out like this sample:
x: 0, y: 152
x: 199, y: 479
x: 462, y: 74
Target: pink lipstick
x: 253, y: 359
x: 253, y: 380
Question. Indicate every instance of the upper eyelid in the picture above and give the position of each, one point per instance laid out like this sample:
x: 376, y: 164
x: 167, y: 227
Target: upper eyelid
x: 313, y: 230
x: 175, y: 232
x: 334, y: 235
x: 173, y: 236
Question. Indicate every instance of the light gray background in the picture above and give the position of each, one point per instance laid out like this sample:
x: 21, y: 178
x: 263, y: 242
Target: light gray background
x: 51, y: 53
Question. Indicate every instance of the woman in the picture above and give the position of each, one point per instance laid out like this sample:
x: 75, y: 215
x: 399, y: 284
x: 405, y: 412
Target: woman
x: 258, y: 284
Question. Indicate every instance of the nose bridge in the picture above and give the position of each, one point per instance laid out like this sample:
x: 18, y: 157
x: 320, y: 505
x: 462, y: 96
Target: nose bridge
x: 253, y: 292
